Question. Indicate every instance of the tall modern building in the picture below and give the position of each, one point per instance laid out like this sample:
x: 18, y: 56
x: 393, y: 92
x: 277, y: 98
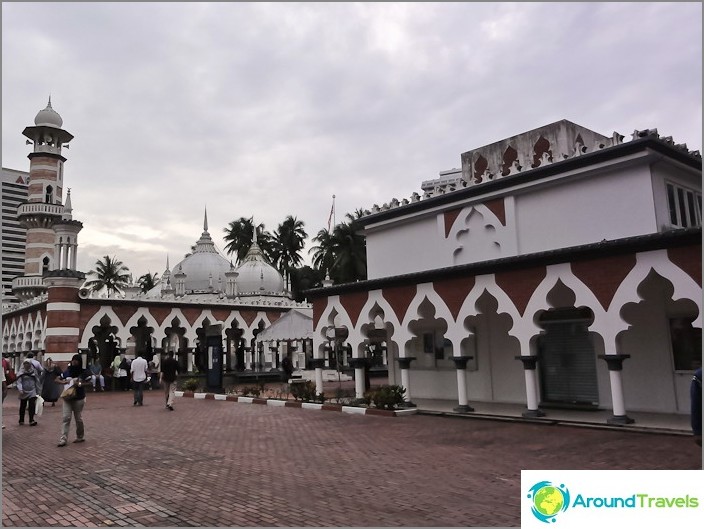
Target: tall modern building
x: 14, y: 236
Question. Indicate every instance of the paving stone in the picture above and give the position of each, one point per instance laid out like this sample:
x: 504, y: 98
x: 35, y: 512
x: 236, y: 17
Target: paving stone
x: 279, y: 466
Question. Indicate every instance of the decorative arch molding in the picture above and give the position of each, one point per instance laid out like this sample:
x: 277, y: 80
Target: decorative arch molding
x: 604, y: 286
x: 425, y: 290
x: 684, y: 285
x: 487, y: 283
x: 478, y: 229
x: 520, y: 285
x: 106, y: 310
x: 143, y: 312
x: 376, y: 299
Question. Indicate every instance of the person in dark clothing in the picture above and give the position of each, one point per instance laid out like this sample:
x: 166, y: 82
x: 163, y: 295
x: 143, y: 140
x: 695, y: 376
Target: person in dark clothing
x: 74, y: 376
x: 287, y: 366
x: 167, y: 377
x: 695, y: 393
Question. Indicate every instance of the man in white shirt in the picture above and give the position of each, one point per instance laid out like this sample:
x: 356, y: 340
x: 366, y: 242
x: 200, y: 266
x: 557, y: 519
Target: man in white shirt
x: 139, y: 375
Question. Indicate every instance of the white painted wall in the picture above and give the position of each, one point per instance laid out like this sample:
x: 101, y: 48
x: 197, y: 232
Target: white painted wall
x: 579, y: 209
x: 609, y: 205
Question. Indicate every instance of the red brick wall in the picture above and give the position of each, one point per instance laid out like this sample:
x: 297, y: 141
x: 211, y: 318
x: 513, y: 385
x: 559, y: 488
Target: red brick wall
x: 604, y: 276
x: 454, y: 291
x: 689, y: 259
x: 519, y: 285
x: 353, y: 304
x: 400, y: 298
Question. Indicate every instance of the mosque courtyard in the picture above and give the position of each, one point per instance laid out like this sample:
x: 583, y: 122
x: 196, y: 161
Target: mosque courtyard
x: 219, y: 463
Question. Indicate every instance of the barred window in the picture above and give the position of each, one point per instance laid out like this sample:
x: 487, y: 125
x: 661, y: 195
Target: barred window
x: 685, y: 206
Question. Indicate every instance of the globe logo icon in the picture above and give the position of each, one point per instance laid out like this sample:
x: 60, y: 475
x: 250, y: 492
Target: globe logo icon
x: 548, y: 500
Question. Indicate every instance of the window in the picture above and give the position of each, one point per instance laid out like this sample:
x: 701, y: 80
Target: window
x: 685, y: 206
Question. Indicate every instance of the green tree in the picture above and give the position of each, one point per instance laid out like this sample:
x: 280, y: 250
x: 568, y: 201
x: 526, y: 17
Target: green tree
x: 342, y: 254
x: 239, y: 235
x: 350, y: 251
x: 110, y: 274
x: 148, y: 281
x: 305, y: 278
x: 287, y: 244
x: 324, y: 252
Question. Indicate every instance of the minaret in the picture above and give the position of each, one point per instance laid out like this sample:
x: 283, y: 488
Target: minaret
x: 44, y: 202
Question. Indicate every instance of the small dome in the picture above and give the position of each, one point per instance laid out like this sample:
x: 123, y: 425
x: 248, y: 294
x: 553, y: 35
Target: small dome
x: 255, y: 275
x: 48, y: 117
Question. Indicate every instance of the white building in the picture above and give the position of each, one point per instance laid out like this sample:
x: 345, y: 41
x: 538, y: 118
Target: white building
x: 559, y: 267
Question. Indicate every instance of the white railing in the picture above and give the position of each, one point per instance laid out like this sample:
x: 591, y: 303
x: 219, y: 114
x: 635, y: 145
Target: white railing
x: 30, y: 208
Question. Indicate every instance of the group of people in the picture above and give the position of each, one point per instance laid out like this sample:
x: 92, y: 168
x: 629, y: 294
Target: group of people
x: 50, y: 383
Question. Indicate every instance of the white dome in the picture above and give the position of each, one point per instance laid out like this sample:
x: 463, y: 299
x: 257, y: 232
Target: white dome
x: 203, y: 270
x: 256, y: 275
x: 48, y: 117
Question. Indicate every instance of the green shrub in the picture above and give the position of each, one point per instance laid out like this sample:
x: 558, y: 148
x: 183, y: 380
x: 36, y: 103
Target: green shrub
x: 306, y: 392
x: 388, y: 397
x: 251, y: 391
x: 190, y: 384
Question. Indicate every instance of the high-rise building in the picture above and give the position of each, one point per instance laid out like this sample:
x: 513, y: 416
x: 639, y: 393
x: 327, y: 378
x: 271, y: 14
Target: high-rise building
x: 14, y: 236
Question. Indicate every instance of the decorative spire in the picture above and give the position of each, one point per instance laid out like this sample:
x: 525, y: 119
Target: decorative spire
x: 67, y: 207
x: 205, y: 220
x: 49, y: 103
x: 167, y: 262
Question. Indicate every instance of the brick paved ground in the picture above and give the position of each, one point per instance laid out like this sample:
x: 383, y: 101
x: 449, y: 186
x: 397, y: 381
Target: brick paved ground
x: 217, y: 463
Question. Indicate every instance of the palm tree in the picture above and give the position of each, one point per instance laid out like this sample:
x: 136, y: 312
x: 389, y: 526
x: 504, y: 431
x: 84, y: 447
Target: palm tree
x: 239, y: 234
x: 288, y: 242
x: 342, y: 254
x: 324, y: 252
x: 350, y: 251
x: 110, y: 274
x: 148, y: 281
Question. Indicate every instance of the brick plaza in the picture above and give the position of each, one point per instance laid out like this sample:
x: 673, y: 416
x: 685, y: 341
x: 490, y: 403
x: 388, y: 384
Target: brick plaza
x: 218, y: 463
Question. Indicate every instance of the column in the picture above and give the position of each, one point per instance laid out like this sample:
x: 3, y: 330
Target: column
x: 359, y: 365
x: 318, y: 364
x: 615, y: 364
x: 529, y: 364
x: 405, y: 365
x: 74, y: 250
x: 461, y: 365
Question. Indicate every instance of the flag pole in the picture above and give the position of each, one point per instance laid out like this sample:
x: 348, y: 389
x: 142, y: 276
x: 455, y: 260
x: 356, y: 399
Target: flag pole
x: 333, y: 213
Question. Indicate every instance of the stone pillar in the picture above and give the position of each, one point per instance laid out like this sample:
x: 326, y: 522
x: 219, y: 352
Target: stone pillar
x: 318, y: 364
x: 405, y: 365
x: 359, y: 365
x: 529, y: 364
x: 615, y: 364
x: 461, y: 365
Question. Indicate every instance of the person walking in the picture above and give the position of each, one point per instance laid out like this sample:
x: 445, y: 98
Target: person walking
x: 50, y: 389
x: 167, y: 377
x: 28, y: 384
x: 73, y: 376
x: 40, y: 370
x: 139, y: 367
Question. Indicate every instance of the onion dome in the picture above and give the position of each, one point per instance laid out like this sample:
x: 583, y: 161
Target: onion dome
x: 256, y: 275
x: 48, y: 117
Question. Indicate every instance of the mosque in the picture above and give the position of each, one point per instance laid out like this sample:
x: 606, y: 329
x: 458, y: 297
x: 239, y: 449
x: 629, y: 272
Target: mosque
x: 558, y: 267
x: 204, y: 301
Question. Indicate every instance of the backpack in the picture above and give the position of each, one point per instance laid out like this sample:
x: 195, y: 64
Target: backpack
x: 124, y: 365
x: 10, y: 375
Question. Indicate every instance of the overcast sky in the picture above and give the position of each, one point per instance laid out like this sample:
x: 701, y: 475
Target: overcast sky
x: 267, y: 110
